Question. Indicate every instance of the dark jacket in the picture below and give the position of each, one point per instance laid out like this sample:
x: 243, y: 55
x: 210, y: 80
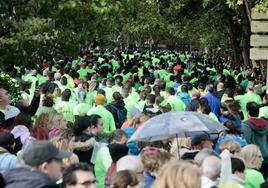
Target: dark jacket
x: 113, y: 107
x: 258, y: 136
x: 25, y: 177
x: 83, y: 147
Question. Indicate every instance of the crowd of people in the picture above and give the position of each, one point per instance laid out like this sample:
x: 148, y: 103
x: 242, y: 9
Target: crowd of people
x: 71, y: 125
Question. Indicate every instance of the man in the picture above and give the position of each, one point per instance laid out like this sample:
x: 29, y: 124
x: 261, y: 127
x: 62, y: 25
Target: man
x: 255, y: 131
x: 213, y: 100
x: 198, y: 143
x: 173, y: 103
x: 79, y: 175
x: 42, y: 168
x: 103, y: 158
x: 9, y: 112
x: 65, y: 107
x: 211, y: 169
x: 108, y: 119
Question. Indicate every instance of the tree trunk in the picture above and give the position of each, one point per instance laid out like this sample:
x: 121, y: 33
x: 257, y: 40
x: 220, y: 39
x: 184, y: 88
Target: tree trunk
x: 245, y: 35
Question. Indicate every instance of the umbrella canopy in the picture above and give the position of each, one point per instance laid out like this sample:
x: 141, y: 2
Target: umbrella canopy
x: 175, y: 124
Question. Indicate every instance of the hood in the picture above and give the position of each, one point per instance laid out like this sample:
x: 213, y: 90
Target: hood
x: 258, y: 123
x: 24, y: 177
x: 84, y: 146
x: 118, y: 104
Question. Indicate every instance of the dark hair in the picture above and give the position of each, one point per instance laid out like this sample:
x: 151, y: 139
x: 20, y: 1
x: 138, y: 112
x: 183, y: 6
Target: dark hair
x: 205, y: 109
x: 101, y: 91
x: 232, y: 128
x: 117, y: 96
x: 23, y: 119
x: 63, y: 81
x: 253, y: 109
x: 81, y: 124
x: 237, y: 165
x: 151, y: 98
x: 170, y: 90
x: 66, y: 94
x: 94, y: 118
x: 69, y: 177
x: 48, y: 101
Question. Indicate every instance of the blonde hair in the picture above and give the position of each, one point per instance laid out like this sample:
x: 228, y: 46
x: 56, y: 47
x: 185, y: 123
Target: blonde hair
x: 62, y: 142
x: 251, y: 154
x: 153, y: 158
x: 232, y: 146
x: 178, y: 174
x: 52, y: 123
x: 42, y: 121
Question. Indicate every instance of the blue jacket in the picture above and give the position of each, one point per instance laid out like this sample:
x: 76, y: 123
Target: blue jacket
x: 214, y: 103
x: 7, y: 160
x: 148, y: 180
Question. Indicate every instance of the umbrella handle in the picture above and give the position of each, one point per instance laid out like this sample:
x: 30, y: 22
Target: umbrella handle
x: 178, y: 145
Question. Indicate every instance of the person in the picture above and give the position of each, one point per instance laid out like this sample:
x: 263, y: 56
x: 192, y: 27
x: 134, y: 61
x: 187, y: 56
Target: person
x: 116, y: 151
x: 65, y: 107
x: 194, y: 104
x: 255, y: 131
x: 252, y: 157
x: 198, y: 142
x: 7, y: 158
x: 65, y: 141
x: 125, y: 179
x: 108, y: 119
x: 152, y: 160
x: 232, y: 133
x: 202, y: 155
x: 232, y: 146
x: 57, y: 123
x: 83, y: 107
x: 79, y: 175
x: 41, y: 127
x: 173, y: 103
x: 178, y: 174
x: 118, y: 110
x: 42, y: 166
x: 132, y: 163
x: 211, y: 169
x: 238, y: 171
x: 213, y: 100
x: 103, y: 158
x: 84, y: 141
x: 150, y: 106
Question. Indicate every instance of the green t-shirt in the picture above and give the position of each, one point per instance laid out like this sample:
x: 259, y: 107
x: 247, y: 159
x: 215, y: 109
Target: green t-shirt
x: 264, y: 112
x: 176, y: 104
x: 81, y: 109
x: 253, y: 178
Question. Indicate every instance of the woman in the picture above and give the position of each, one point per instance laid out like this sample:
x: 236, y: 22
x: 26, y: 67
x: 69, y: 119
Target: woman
x: 118, y: 110
x: 65, y: 141
x: 84, y: 141
x: 58, y: 123
x: 178, y: 174
x: 41, y: 126
x: 153, y: 159
x: 253, y: 160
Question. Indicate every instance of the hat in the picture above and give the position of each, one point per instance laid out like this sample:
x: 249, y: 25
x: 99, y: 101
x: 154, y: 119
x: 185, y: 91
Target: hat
x: 197, y: 139
x: 6, y: 139
x: 38, y: 152
x: 100, y: 99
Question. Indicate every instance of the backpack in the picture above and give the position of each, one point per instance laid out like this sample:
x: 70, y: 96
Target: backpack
x: 121, y: 116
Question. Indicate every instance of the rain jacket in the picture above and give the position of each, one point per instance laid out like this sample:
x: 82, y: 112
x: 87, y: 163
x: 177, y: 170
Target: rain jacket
x: 255, y: 131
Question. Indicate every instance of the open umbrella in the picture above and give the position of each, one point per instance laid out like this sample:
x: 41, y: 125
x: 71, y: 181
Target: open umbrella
x: 176, y: 124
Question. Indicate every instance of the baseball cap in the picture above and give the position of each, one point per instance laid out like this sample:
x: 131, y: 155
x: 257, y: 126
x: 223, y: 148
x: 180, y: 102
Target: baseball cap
x: 38, y: 152
x: 197, y: 139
